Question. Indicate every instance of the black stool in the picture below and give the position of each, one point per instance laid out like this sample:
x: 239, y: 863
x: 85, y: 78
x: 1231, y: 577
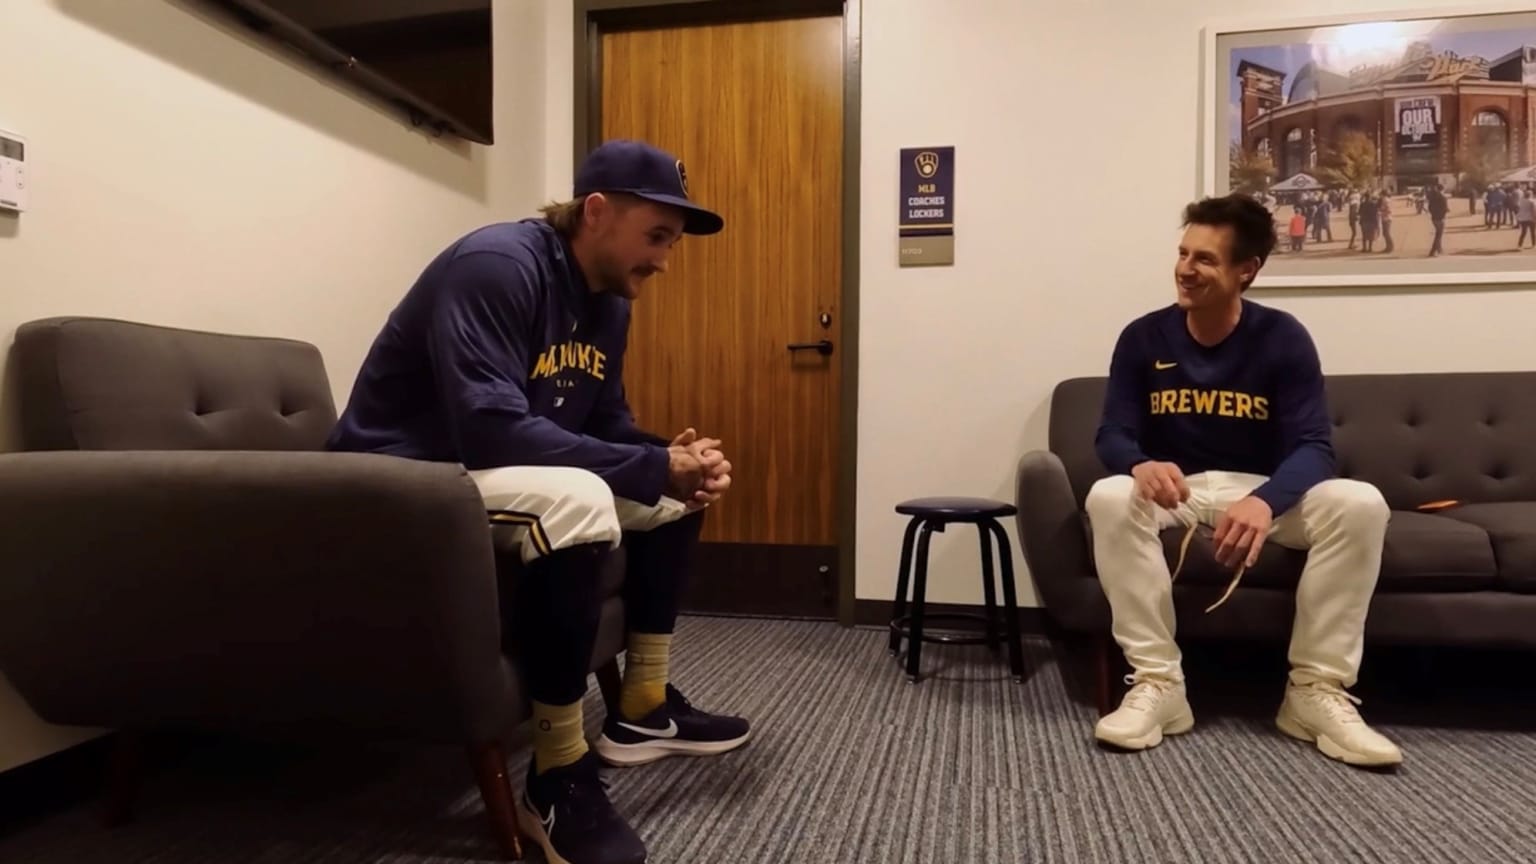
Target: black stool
x: 934, y: 514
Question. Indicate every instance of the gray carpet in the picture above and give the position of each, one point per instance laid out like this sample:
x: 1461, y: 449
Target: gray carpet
x: 852, y: 763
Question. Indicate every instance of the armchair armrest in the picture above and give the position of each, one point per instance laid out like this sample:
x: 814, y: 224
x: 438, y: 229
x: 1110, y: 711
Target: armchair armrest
x: 250, y: 589
x: 1051, y: 531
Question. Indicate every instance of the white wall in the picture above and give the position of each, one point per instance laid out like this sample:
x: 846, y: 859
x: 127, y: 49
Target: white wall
x: 186, y: 174
x: 1075, y: 126
x: 559, y: 99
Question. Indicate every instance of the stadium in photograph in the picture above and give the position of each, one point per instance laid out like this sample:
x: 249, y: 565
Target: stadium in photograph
x: 1432, y: 114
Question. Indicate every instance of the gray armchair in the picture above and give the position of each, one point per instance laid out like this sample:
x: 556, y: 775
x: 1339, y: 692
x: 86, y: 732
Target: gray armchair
x: 178, y: 552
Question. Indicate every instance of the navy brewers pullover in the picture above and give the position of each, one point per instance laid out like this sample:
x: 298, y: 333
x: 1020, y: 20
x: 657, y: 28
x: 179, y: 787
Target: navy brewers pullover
x: 1252, y: 403
x: 499, y: 355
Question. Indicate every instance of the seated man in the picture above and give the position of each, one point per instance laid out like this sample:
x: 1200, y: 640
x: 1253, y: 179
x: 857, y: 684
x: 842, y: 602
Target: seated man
x: 507, y: 356
x: 1216, y: 414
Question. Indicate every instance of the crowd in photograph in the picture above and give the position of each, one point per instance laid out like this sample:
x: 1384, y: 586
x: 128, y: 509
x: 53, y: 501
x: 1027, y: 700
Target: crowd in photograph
x: 1321, y: 216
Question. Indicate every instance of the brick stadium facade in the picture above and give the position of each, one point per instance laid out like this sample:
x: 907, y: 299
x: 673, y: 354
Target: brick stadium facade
x: 1421, y: 114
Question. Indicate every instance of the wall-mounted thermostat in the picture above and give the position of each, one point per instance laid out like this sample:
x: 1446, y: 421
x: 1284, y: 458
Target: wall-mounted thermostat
x: 13, y: 172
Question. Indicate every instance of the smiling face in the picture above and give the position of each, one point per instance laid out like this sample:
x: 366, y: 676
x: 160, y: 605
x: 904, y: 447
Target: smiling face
x: 629, y: 239
x: 1205, y: 274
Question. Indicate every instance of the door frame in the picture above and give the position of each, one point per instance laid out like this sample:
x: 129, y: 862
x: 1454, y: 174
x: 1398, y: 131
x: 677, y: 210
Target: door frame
x: 592, y: 19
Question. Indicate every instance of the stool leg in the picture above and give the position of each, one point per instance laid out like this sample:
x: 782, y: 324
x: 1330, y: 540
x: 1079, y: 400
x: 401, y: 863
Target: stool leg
x: 899, y: 607
x: 1010, y: 602
x: 989, y: 592
x: 919, y: 591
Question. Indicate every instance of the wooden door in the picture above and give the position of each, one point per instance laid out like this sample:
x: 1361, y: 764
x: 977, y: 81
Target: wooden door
x: 754, y: 110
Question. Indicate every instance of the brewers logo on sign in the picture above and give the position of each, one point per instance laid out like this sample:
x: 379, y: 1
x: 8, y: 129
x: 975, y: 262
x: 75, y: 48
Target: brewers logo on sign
x: 682, y: 176
x: 926, y: 222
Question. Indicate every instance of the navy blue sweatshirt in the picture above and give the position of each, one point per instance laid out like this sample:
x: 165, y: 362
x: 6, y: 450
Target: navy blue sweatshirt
x: 500, y: 355
x: 1252, y: 403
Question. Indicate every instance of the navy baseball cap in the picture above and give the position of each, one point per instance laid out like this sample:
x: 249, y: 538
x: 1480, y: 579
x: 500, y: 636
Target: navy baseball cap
x: 646, y: 172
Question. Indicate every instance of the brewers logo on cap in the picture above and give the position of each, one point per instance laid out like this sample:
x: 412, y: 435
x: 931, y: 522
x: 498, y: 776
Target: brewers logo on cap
x: 682, y: 176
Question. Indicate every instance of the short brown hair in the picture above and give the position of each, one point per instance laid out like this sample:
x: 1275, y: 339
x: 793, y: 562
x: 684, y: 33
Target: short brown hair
x: 1253, y: 226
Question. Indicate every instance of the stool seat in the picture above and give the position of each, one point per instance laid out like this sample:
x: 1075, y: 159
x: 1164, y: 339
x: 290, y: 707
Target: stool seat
x: 956, y: 508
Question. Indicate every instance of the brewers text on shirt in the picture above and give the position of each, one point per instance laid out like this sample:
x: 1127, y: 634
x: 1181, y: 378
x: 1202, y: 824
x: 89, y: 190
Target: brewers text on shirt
x: 1252, y: 403
x: 500, y: 355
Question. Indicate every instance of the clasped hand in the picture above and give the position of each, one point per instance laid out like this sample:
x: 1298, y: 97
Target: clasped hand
x: 1240, y: 531
x: 698, y: 471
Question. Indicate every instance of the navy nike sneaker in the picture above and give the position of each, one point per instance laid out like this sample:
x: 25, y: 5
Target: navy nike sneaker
x: 567, y: 812
x: 676, y: 728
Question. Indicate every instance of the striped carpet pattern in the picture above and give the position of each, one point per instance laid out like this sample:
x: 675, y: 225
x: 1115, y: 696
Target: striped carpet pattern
x: 850, y: 763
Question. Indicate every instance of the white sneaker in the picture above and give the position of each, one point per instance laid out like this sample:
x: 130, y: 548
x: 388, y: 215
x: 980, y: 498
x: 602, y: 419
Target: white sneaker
x: 1324, y: 713
x: 1154, y: 707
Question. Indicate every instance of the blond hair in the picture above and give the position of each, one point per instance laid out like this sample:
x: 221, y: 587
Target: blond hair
x: 566, y: 216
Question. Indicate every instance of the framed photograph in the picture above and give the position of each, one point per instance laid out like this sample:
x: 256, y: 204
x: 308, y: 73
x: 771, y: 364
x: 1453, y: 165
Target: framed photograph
x: 1394, y: 149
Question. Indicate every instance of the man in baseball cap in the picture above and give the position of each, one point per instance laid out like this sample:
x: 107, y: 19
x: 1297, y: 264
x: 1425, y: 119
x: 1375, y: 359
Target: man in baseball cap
x: 507, y: 355
x: 638, y: 169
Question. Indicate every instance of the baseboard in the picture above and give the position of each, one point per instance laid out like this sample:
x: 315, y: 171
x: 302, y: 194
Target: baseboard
x: 878, y: 613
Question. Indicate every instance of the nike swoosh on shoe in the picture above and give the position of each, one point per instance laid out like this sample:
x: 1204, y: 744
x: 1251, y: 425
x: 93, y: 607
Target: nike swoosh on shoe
x: 669, y: 732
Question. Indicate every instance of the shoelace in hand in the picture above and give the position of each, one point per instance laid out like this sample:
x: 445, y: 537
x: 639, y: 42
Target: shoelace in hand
x: 1189, y: 534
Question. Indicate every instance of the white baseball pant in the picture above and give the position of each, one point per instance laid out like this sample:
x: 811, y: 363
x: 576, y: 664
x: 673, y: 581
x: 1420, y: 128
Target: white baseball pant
x: 549, y: 508
x: 1342, y: 522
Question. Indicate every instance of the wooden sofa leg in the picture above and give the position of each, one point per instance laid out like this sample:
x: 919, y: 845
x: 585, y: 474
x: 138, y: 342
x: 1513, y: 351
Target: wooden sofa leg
x: 609, y: 681
x: 490, y: 765
x: 125, y: 763
x: 1104, y: 658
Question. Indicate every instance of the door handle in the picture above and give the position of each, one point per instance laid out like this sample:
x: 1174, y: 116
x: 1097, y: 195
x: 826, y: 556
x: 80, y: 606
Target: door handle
x: 823, y: 347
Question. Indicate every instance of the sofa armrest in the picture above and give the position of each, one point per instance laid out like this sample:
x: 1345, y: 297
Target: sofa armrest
x: 1051, y: 532
x: 254, y: 589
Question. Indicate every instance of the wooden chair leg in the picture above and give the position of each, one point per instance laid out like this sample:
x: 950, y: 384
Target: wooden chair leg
x: 610, y: 682
x: 1103, y: 652
x: 124, y: 766
x: 490, y: 765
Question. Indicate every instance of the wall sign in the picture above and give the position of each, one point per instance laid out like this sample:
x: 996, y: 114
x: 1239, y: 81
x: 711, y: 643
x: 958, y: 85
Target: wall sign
x: 927, y: 222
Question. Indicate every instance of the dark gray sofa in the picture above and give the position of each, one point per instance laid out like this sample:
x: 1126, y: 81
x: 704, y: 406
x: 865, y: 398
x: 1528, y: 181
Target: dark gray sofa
x: 1460, y: 576
x: 175, y: 551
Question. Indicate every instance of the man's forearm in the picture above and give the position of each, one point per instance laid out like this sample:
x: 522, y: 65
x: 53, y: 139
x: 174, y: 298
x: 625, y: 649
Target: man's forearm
x: 624, y: 431
x: 1307, y: 466
x: 490, y: 438
x: 1118, y: 450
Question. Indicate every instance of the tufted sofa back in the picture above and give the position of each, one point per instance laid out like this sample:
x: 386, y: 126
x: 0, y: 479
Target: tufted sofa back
x: 1419, y: 437
x: 101, y: 384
